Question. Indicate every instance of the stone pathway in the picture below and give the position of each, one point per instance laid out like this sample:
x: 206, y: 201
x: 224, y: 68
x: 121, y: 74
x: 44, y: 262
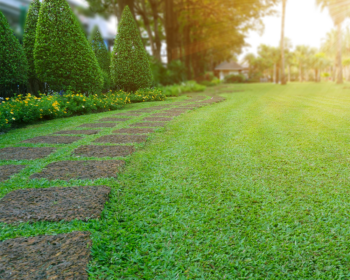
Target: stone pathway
x: 66, y: 256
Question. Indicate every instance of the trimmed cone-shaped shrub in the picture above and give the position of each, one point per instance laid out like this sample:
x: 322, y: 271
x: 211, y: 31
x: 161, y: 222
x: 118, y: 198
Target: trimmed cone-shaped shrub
x: 28, y: 44
x: 100, y: 49
x: 62, y: 55
x: 130, y: 67
x: 13, y: 63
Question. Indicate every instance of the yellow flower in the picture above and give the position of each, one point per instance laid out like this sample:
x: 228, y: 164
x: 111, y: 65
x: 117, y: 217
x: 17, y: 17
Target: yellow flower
x: 7, y: 98
x: 14, y: 119
x: 11, y: 112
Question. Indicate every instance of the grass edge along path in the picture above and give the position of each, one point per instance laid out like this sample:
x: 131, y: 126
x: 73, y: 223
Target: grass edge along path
x: 30, y: 225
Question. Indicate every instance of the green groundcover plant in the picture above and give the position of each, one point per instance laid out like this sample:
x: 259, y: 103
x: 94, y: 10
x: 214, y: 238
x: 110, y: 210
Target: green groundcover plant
x: 13, y: 63
x: 130, y: 67
x: 63, y: 56
x: 29, y: 108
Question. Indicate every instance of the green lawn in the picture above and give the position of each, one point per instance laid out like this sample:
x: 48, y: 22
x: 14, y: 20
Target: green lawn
x: 256, y: 187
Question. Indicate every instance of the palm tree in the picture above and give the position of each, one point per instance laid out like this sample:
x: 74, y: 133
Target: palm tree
x: 283, y: 78
x: 338, y: 10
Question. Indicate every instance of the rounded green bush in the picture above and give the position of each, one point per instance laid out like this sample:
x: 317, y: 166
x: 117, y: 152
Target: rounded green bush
x: 13, y: 63
x: 130, y: 67
x: 62, y: 55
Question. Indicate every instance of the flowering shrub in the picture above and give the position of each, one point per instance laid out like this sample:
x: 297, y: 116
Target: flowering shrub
x: 27, y: 109
x: 147, y: 94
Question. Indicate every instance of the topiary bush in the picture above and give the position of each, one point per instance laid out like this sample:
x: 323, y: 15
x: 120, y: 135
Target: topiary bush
x: 34, y: 85
x: 13, y: 63
x: 63, y: 56
x: 130, y: 66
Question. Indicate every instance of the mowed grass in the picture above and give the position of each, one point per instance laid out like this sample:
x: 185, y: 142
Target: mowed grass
x: 256, y: 187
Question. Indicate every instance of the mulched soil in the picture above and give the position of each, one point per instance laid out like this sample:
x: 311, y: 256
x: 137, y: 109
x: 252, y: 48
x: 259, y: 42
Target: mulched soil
x: 157, y: 119
x: 104, y: 151
x: 134, y: 130
x: 114, y: 119
x: 178, y: 110
x: 149, y: 124
x: 130, y: 114
x: 86, y: 170
x: 6, y: 171
x: 24, y: 153
x: 168, y: 114
x: 53, y: 204
x: 86, y: 132
x: 121, y: 139
x: 53, y: 140
x: 97, y: 125
x: 62, y: 256
x: 147, y: 110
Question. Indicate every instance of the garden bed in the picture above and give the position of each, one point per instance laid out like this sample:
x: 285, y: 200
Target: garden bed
x: 53, y: 204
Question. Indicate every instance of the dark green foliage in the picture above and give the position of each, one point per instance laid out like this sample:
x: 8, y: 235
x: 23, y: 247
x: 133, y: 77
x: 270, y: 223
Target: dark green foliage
x: 102, y: 55
x: 173, y: 73
x: 28, y: 43
x: 235, y: 78
x: 63, y: 57
x: 130, y: 69
x: 13, y: 63
x: 100, y: 50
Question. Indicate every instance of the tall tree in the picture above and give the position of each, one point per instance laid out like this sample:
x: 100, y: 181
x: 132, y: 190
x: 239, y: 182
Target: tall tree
x: 130, y: 68
x: 13, y: 62
x: 339, y: 11
x: 283, y: 79
x: 63, y: 56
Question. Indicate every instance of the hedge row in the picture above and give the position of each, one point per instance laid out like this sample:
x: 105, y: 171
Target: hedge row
x: 29, y: 108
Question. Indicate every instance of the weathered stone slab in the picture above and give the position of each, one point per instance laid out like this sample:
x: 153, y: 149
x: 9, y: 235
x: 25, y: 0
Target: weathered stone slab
x: 53, y: 140
x: 104, y: 151
x: 85, y: 170
x: 53, y: 204
x: 25, y: 153
x: 121, y: 139
x: 62, y: 256
x: 6, y: 171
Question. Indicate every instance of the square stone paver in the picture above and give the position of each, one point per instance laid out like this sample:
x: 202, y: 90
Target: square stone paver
x: 149, y: 124
x: 53, y: 140
x: 86, y: 132
x: 98, y: 125
x: 157, y: 119
x: 134, y: 130
x: 6, y: 171
x: 171, y: 114
x: 104, y: 151
x: 114, y: 119
x: 85, y: 170
x: 129, y: 114
x: 53, y: 204
x: 62, y: 256
x: 121, y: 139
x: 24, y: 153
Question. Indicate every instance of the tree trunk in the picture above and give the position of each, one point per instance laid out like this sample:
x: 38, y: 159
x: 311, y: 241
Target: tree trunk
x: 169, y: 28
x: 288, y: 73
x: 158, y: 44
x: 147, y: 24
x: 283, y: 78
x: 339, y: 55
